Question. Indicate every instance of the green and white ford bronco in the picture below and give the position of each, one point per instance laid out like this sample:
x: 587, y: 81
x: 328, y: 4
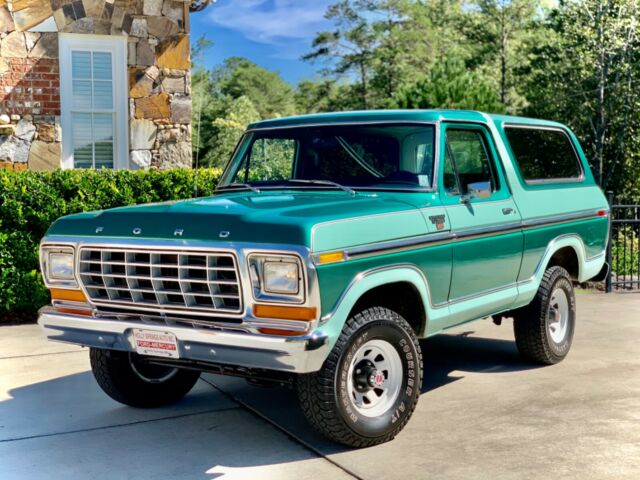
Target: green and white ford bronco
x: 333, y: 243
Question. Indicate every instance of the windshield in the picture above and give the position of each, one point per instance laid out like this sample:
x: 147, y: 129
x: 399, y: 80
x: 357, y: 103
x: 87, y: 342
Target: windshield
x: 358, y: 156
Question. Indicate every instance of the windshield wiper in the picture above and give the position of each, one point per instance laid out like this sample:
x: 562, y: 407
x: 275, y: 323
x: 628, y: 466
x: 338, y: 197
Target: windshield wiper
x: 328, y: 183
x: 358, y: 158
x: 239, y: 185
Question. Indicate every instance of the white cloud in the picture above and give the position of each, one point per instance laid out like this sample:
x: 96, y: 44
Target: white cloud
x: 272, y: 22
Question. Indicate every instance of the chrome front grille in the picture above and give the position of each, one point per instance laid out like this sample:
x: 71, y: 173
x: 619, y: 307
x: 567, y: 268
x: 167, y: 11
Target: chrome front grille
x: 159, y: 279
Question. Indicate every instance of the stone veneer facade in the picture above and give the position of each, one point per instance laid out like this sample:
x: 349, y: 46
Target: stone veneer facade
x: 159, y: 79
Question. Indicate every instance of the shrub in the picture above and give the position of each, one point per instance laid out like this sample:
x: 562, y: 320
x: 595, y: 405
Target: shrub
x: 31, y: 201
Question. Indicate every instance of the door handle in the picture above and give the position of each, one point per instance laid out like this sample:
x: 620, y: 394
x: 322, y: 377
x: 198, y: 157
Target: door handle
x: 507, y: 211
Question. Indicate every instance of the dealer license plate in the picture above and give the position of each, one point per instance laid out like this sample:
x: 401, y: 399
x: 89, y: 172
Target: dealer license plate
x: 156, y: 344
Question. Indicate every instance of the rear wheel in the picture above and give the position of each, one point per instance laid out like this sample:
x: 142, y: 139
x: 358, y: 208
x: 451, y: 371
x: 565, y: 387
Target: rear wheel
x: 544, y: 328
x: 369, y: 386
x: 126, y: 378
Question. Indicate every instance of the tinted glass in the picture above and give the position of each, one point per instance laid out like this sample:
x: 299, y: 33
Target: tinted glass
x: 543, y: 154
x: 380, y: 156
x: 467, y: 162
x: 270, y: 159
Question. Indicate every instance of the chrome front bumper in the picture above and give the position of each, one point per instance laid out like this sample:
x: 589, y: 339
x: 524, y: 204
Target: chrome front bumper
x: 301, y: 354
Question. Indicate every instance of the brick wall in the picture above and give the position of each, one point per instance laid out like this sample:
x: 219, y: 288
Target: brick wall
x: 30, y: 86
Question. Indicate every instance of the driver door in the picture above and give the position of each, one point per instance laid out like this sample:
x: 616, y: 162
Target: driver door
x: 487, y: 251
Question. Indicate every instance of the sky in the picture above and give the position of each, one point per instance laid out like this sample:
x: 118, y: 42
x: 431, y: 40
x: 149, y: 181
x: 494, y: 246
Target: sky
x: 272, y: 33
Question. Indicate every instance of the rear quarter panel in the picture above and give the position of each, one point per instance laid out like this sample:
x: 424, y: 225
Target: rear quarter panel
x: 539, y: 201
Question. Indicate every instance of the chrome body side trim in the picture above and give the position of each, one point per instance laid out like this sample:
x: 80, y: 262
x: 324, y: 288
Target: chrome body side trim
x: 438, y: 306
x: 301, y: 354
x: 399, y: 245
x: 463, y: 235
x: 488, y: 230
x: 563, y: 218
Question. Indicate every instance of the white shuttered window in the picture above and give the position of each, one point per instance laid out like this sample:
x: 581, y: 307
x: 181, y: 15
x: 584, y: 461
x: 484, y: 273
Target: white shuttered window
x: 94, y: 105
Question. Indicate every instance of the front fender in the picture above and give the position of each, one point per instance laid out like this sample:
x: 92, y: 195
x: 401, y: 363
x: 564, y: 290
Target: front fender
x: 333, y: 322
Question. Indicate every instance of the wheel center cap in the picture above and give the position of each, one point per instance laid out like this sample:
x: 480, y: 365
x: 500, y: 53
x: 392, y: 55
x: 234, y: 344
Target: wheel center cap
x: 367, y: 376
x: 376, y: 379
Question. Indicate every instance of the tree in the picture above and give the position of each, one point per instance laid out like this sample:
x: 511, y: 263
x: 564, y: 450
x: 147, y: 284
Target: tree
x: 349, y: 48
x: 316, y: 96
x: 228, y: 130
x: 206, y: 103
x: 228, y: 98
x: 439, y: 31
x: 500, y: 29
x: 450, y: 85
x: 395, y: 59
x: 269, y: 93
x: 585, y: 74
x: 381, y: 45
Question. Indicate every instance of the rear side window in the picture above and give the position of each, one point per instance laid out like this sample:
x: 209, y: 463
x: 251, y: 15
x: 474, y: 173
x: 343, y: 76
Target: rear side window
x: 543, y: 154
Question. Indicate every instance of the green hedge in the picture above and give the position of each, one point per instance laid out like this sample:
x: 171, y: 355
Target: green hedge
x: 624, y: 253
x: 31, y: 201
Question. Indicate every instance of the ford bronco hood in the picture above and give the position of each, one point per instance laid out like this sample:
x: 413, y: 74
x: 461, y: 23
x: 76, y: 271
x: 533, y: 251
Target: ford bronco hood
x: 312, y: 219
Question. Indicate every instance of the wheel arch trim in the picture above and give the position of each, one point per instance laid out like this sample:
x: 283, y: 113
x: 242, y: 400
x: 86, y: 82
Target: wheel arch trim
x: 588, y: 267
x: 575, y: 242
x: 366, y: 281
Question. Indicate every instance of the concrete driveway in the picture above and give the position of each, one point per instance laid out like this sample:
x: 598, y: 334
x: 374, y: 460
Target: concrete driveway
x: 484, y: 413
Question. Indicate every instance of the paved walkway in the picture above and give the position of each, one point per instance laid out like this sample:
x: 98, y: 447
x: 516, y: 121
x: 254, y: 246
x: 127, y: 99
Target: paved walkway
x: 484, y: 414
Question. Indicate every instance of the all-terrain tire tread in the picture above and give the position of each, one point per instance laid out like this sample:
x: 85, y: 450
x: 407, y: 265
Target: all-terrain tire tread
x: 316, y: 390
x: 529, y: 323
x: 112, y: 376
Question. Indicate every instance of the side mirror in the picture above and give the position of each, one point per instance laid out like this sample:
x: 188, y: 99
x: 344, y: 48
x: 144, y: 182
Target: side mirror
x: 479, y: 189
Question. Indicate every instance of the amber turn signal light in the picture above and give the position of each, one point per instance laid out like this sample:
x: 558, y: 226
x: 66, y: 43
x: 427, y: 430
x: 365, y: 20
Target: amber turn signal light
x: 331, y: 257
x: 305, y: 314
x: 68, y: 295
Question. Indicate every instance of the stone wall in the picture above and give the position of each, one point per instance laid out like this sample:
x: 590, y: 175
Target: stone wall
x: 29, y: 101
x: 158, y: 72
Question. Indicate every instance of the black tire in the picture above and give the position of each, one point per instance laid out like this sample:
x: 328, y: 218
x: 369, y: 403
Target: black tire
x: 126, y: 380
x: 324, y: 396
x: 531, y: 323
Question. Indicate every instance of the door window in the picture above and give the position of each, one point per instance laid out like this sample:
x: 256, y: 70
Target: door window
x: 467, y: 165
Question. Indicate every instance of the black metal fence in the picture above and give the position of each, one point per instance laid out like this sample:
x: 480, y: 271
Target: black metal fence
x: 623, y: 251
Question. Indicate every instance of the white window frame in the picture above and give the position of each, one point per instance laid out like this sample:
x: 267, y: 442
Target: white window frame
x: 117, y: 46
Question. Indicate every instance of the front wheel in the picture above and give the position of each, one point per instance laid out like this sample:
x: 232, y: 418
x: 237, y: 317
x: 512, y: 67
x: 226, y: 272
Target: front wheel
x: 544, y: 328
x: 369, y: 385
x: 126, y: 378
